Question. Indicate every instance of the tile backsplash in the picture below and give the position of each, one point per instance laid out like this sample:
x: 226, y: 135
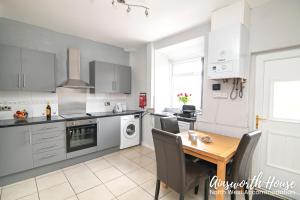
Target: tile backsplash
x: 35, y: 103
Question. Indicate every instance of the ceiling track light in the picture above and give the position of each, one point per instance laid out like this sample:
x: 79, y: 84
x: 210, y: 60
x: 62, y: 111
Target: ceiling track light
x: 129, y: 6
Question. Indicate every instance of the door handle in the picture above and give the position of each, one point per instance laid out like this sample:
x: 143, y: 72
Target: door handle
x: 258, y: 119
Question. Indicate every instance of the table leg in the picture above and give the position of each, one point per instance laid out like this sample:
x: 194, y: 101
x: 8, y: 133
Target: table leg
x: 221, y: 173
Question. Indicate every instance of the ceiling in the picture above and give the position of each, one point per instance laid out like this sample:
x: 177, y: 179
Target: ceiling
x: 98, y: 20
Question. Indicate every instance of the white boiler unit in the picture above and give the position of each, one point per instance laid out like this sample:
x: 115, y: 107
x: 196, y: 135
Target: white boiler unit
x: 228, y: 52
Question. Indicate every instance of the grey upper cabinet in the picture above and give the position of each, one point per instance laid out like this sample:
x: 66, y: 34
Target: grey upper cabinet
x: 10, y: 68
x: 38, y: 71
x: 109, y: 132
x: 110, y: 78
x: 102, y: 76
x: 123, y: 79
x: 15, y: 150
x: 24, y: 69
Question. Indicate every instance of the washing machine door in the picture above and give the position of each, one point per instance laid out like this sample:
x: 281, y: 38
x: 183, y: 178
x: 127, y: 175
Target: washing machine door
x: 130, y: 130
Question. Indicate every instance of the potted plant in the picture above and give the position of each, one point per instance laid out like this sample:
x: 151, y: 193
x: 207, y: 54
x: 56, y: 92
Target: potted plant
x: 184, y: 98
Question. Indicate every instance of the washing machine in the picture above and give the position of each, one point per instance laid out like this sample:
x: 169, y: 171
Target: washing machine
x: 130, y: 131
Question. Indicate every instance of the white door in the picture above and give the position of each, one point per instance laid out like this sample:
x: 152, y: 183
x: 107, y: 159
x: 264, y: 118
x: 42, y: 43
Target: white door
x: 278, y: 102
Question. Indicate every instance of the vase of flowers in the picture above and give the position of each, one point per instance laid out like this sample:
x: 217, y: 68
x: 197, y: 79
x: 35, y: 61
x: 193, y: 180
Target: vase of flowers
x: 184, y: 98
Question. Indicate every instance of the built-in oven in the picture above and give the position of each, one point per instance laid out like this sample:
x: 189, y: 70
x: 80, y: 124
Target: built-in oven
x: 81, y: 137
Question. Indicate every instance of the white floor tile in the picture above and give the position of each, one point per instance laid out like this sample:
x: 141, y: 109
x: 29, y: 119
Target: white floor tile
x: 151, y: 168
x: 108, y: 174
x: 50, y: 180
x: 136, y: 193
x: 151, y: 155
x: 143, y: 150
x: 72, y: 198
x: 140, y: 176
x: 130, y: 154
x: 150, y: 187
x: 58, y: 192
x: 76, y: 169
x: 126, y: 166
x: 98, y: 165
x: 142, y: 161
x: 96, y: 193
x: 18, y: 190
x: 115, y: 160
x: 83, y: 181
x: 34, y: 196
x: 120, y: 185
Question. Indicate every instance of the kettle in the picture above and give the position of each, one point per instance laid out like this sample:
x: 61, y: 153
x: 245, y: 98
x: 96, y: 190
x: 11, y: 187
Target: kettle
x: 117, y: 108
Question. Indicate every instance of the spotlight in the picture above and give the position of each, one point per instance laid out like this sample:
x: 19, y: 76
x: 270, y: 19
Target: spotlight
x: 146, y: 12
x: 128, y: 9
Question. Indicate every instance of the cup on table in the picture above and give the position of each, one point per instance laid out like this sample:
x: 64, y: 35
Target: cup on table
x: 194, y: 138
x: 191, y: 132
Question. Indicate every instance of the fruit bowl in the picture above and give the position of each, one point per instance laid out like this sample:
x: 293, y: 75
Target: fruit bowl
x: 21, y: 115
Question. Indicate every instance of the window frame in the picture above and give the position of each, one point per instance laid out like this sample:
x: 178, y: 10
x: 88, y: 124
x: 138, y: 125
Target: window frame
x: 201, y: 74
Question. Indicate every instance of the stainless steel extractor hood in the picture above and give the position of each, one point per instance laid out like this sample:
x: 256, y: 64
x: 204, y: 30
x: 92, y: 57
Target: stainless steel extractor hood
x: 74, y: 80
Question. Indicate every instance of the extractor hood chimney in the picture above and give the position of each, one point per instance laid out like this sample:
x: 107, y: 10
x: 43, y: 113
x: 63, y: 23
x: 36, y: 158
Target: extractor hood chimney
x: 74, y: 80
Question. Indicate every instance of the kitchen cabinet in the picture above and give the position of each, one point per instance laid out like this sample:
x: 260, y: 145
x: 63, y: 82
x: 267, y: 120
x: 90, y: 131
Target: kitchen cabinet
x: 15, y: 150
x: 123, y: 79
x: 109, y: 132
x: 48, y: 143
x: 38, y: 71
x: 110, y: 78
x: 25, y: 69
x: 10, y: 68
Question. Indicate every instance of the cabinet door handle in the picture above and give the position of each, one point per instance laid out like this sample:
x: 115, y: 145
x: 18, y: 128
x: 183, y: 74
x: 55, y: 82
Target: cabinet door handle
x: 24, y: 80
x: 30, y: 138
x: 45, y: 148
x: 48, y: 156
x: 19, y: 80
x: 47, y: 138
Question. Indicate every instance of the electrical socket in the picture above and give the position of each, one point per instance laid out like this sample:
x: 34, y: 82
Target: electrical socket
x: 107, y: 103
x: 5, y: 108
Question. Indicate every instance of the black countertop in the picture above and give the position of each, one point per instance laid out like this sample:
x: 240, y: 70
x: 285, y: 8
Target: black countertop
x: 29, y: 121
x: 43, y: 120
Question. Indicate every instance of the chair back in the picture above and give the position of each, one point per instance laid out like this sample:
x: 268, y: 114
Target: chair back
x: 170, y: 159
x: 241, y: 166
x: 169, y: 124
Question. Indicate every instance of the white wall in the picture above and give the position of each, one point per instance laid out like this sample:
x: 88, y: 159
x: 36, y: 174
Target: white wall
x: 162, y: 82
x: 275, y: 25
x: 138, y: 63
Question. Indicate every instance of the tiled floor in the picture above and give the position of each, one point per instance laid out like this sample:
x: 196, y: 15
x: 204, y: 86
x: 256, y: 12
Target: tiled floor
x: 126, y: 175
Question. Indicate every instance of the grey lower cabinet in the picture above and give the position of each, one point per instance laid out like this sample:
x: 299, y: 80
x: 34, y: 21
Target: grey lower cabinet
x: 25, y: 69
x: 26, y: 147
x: 109, y: 132
x: 15, y: 150
x: 110, y: 78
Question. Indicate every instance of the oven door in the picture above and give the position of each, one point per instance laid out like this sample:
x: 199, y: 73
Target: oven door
x: 81, y: 137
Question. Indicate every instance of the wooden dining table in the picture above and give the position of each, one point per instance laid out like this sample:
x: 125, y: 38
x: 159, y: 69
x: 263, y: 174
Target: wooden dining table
x: 220, y: 151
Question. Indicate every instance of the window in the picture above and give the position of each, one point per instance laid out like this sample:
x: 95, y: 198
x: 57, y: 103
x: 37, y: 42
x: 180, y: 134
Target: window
x: 286, y: 100
x: 187, y: 77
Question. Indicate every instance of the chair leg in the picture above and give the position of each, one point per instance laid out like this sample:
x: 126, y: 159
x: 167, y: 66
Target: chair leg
x: 246, y: 193
x: 181, y: 197
x: 232, y: 195
x: 157, y: 189
x: 206, y: 189
x: 196, y: 189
